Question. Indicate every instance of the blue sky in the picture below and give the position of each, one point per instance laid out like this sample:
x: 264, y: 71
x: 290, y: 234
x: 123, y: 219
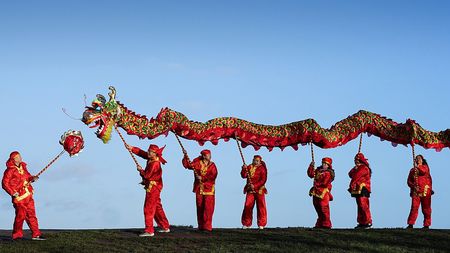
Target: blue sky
x: 269, y: 62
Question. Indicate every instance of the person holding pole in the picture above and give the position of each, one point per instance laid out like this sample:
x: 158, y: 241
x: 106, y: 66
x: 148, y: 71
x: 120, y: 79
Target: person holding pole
x: 153, y: 185
x: 360, y: 189
x: 321, y: 191
x: 255, y: 190
x: 17, y: 183
x: 420, y: 183
x: 205, y: 173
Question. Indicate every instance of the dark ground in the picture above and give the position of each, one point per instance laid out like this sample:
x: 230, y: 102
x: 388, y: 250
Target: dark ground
x: 185, y: 239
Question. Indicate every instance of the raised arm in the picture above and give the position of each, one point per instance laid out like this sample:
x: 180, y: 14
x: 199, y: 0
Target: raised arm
x: 139, y: 152
x: 187, y: 163
x: 244, y: 170
x: 311, y: 173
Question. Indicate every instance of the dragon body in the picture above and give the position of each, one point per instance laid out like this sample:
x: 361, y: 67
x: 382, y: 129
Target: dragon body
x: 104, y: 114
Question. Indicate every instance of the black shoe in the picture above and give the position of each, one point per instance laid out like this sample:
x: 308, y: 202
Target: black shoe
x: 410, y: 226
x: 18, y: 239
x: 361, y: 226
x: 426, y: 227
x: 38, y: 238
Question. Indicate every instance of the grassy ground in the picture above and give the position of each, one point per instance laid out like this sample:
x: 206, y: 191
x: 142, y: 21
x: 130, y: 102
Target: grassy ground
x: 184, y: 239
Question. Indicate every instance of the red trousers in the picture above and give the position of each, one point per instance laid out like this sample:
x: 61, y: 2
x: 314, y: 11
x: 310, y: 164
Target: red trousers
x: 25, y: 211
x: 322, y: 207
x: 153, y: 210
x: 364, y: 216
x: 205, y: 211
x: 261, y: 210
x: 426, y: 210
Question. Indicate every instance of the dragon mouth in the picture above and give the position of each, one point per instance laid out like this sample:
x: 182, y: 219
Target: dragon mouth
x: 100, y: 127
x: 104, y: 127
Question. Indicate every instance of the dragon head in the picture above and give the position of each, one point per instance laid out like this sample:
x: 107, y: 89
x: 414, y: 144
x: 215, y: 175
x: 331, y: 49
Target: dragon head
x: 102, y: 115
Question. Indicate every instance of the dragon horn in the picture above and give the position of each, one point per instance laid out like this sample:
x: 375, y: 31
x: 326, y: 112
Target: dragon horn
x: 112, y: 93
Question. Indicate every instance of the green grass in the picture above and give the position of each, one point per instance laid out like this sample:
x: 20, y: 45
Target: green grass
x: 184, y: 239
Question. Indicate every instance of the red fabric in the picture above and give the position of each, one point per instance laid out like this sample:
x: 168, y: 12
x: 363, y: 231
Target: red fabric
x: 301, y: 132
x: 204, y: 190
x: 152, y: 172
x: 25, y: 211
x: 208, y: 179
x: 322, y: 181
x: 423, y: 181
x: 152, y: 177
x: 153, y: 210
x: 328, y: 161
x: 360, y: 175
x: 205, y: 152
x: 364, y: 215
x: 205, y: 211
x: 73, y: 144
x: 322, y: 207
x: 362, y: 159
x: 258, y: 179
x: 12, y: 155
x: 426, y: 210
x: 261, y: 209
x: 158, y: 152
x: 13, y: 181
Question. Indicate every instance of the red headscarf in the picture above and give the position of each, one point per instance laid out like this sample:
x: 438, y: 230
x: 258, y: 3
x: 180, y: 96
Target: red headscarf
x: 10, y: 161
x: 362, y: 159
x: 328, y: 161
x: 158, y: 151
x: 260, y: 158
x: 205, y: 152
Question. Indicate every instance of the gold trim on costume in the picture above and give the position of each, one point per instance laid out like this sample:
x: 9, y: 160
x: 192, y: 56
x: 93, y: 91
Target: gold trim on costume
x: 150, y: 185
x: 424, y: 193
x: 213, y: 190
x: 261, y: 190
x: 312, y: 192
x: 25, y: 195
x: 359, y: 190
x: 20, y: 169
x: 203, y: 171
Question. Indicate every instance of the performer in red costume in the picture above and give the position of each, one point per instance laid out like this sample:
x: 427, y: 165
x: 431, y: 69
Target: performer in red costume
x: 17, y: 183
x: 255, y: 191
x: 360, y: 189
x: 321, y: 191
x: 153, y: 184
x: 205, y: 173
x: 420, y: 182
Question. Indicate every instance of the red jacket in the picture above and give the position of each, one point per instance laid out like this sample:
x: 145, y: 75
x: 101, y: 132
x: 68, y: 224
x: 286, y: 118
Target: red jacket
x: 322, y: 181
x: 14, y: 179
x: 205, y: 186
x: 420, y: 181
x: 258, y: 177
x: 360, y: 179
x: 152, y: 175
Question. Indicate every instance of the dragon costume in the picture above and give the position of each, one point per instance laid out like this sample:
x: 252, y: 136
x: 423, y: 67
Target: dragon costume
x: 104, y: 114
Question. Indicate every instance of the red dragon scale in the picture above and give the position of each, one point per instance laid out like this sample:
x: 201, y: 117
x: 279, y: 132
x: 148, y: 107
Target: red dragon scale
x: 104, y: 114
